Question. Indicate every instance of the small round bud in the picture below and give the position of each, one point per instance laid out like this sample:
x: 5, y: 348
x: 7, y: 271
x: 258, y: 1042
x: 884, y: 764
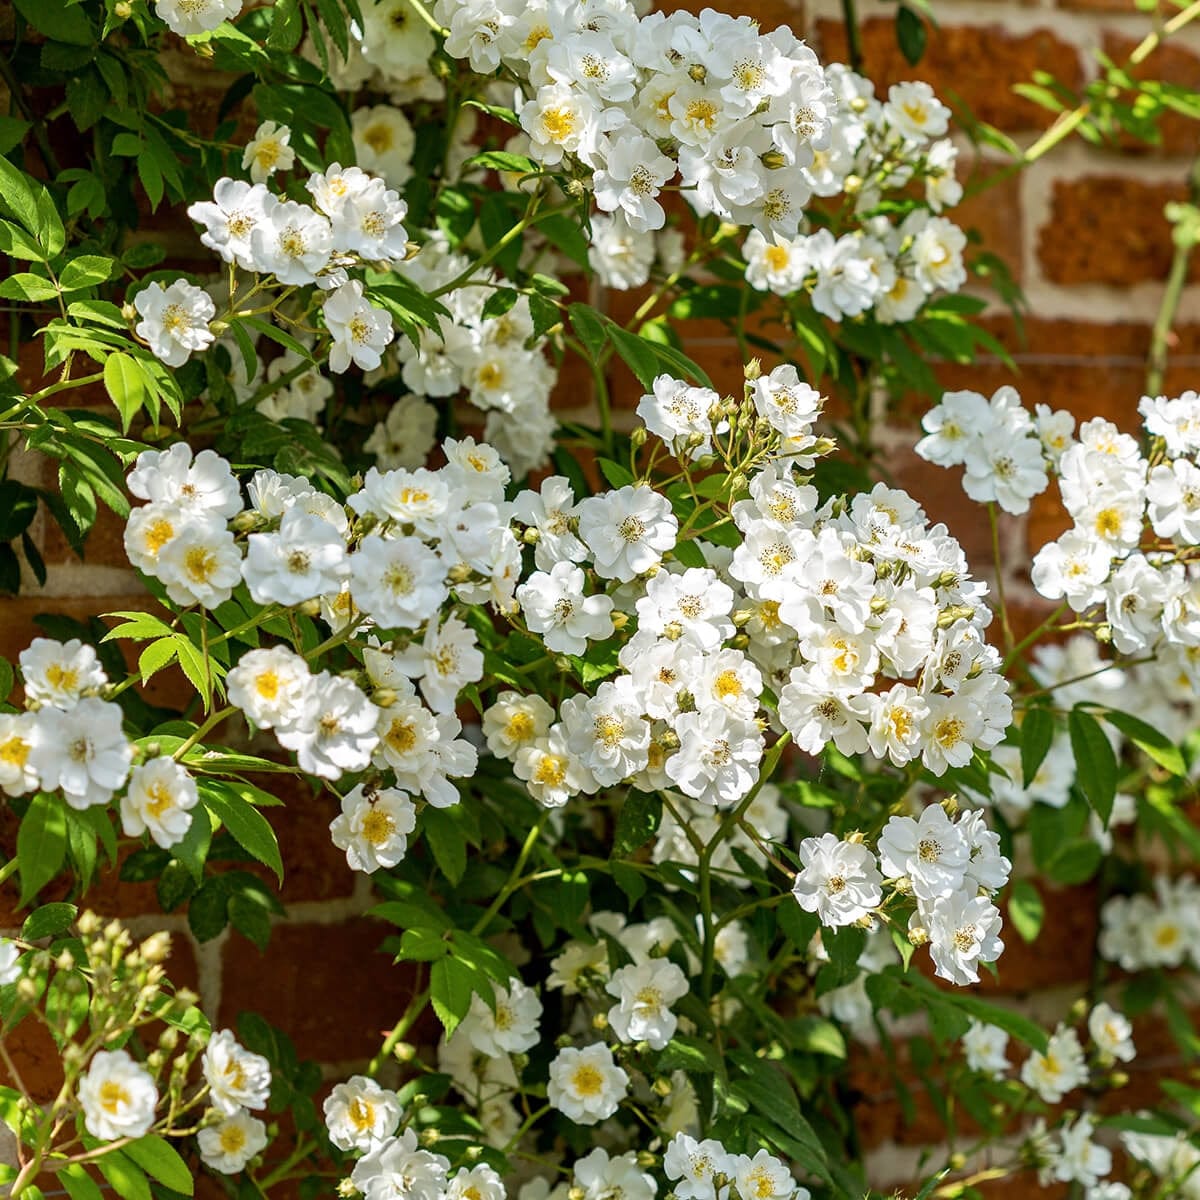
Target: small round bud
x: 404, y: 1052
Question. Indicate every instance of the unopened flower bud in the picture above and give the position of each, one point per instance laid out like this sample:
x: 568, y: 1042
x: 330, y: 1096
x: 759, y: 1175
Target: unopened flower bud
x: 157, y: 947
x: 638, y: 437
x: 752, y: 370
x: 310, y: 608
x: 619, y: 620
x: 950, y: 804
x: 773, y: 160
x: 346, y: 1189
x: 384, y: 697
x: 662, y: 1087
x: 698, y: 73
x: 244, y: 522
x: 531, y: 536
x: 918, y: 935
x: 404, y: 1052
x: 123, y: 10
x: 600, y: 1022
x: 129, y: 312
x: 646, y: 1159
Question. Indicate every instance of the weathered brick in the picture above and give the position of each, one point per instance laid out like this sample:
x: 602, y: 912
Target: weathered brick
x: 991, y: 209
x: 314, y: 868
x: 1118, y: 231
x: 972, y: 65
x: 329, y: 987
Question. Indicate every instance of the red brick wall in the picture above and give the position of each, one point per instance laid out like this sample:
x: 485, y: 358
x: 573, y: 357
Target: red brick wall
x: 1084, y: 233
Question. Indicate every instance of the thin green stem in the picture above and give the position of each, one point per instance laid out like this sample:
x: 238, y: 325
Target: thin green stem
x: 202, y: 731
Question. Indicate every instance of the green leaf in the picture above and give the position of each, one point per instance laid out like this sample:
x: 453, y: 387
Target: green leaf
x: 47, y: 921
x: 160, y: 1160
x: 58, y: 20
x: 287, y: 26
x: 1157, y: 745
x: 23, y: 285
x: 85, y: 271
x: 1095, y: 763
x: 1026, y: 909
x: 41, y: 843
x: 767, y: 1091
x: 192, y: 850
x: 250, y: 829
x: 503, y: 160
x: 451, y: 985
x: 910, y: 35
x: 617, y: 475
x: 79, y: 1184
x: 15, y: 242
x: 1037, y: 734
x: 637, y: 823
x: 447, y: 841
x: 124, y: 1175
x: 126, y: 386
x: 589, y: 327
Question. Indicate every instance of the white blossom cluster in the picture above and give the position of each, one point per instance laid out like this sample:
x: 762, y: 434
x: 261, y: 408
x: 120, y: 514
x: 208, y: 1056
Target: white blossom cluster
x: 1136, y: 522
x: 1070, y: 1154
x: 1142, y: 932
x: 490, y: 358
x: 886, y: 267
x: 1136, y: 516
x: 1006, y: 453
x: 355, y: 219
x: 634, y: 1003
x: 736, y: 114
x: 70, y: 740
x: 390, y: 559
x: 119, y: 1099
x: 951, y: 867
x: 1173, y: 1160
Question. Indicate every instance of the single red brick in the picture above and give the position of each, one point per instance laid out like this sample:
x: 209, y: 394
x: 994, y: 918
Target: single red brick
x: 329, y: 987
x: 1119, y: 233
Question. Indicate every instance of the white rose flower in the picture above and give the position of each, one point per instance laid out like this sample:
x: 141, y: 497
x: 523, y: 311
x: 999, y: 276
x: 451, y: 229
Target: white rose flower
x: 174, y: 320
x: 373, y: 827
x: 118, y: 1097
x: 839, y: 881
x: 232, y: 1142
x: 160, y: 796
x: 236, y: 1077
x: 586, y: 1085
x: 359, y: 1113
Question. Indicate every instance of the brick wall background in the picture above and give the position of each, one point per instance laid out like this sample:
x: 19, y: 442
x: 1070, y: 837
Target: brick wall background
x: 1083, y: 232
